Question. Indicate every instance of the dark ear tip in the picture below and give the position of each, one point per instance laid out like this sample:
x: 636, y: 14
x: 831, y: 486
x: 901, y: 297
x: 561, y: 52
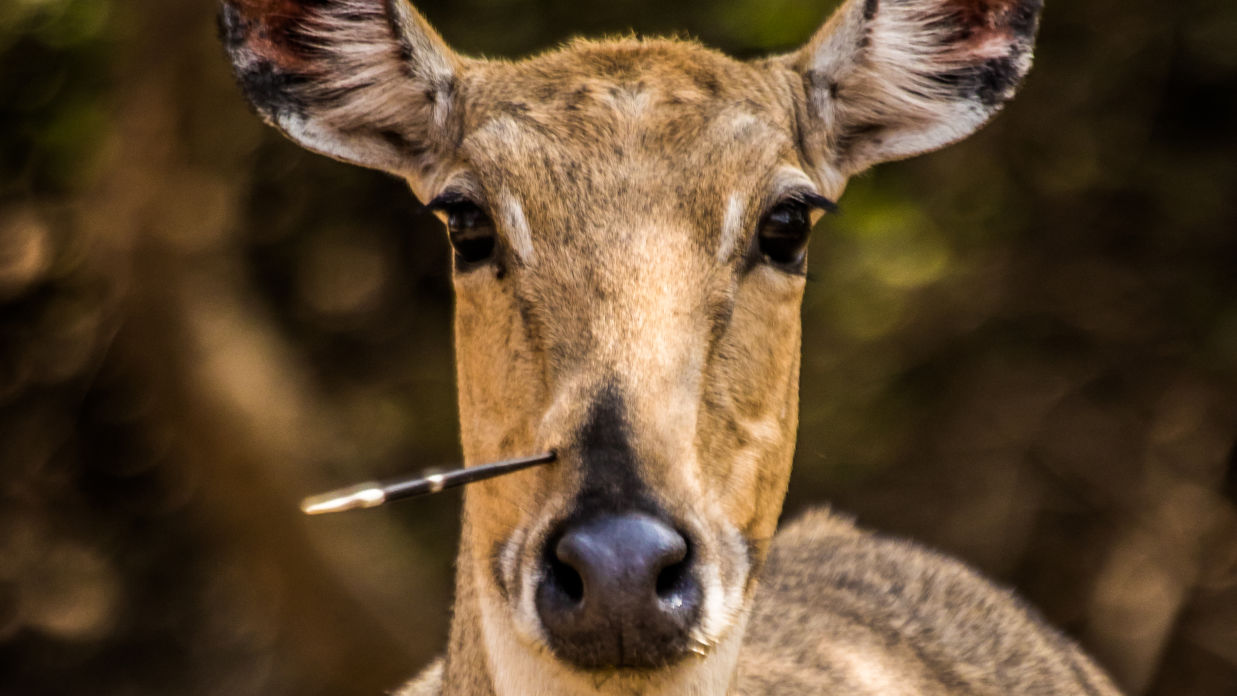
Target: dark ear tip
x: 272, y: 92
x: 998, y: 80
x: 271, y: 84
x: 1024, y: 18
x: 232, y: 25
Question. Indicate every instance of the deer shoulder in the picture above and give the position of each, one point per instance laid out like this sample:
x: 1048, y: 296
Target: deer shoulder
x: 845, y: 611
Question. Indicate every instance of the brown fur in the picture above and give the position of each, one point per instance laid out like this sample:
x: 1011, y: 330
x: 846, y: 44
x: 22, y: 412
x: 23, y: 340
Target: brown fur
x: 626, y: 179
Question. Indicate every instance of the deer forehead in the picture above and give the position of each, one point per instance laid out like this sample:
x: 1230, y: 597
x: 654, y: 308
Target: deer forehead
x: 651, y: 137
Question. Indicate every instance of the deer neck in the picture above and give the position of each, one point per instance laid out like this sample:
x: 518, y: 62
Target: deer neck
x: 486, y: 658
x: 467, y: 671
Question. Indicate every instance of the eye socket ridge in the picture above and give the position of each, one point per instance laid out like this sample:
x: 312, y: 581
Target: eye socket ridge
x: 470, y: 229
x: 784, y: 231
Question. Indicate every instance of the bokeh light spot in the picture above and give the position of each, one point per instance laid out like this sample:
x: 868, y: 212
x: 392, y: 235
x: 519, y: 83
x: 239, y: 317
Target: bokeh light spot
x: 26, y: 251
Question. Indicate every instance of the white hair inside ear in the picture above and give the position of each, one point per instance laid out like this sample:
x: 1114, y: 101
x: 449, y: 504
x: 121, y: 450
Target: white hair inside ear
x: 363, y: 81
x: 888, y: 80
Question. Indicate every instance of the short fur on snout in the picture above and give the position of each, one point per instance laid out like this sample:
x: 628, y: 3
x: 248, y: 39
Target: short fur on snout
x: 631, y: 319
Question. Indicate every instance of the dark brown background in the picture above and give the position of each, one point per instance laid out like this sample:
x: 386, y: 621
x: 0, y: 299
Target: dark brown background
x: 1022, y: 350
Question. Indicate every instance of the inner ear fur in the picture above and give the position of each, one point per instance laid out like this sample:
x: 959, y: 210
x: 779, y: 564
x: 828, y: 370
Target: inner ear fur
x: 364, y: 81
x: 890, y: 79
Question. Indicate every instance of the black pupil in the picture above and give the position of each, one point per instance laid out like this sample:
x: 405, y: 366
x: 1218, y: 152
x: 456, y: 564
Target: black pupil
x: 784, y: 234
x: 471, y: 232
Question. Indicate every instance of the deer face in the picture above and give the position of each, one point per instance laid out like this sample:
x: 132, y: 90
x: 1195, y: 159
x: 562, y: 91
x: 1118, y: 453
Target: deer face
x: 630, y: 222
x: 635, y: 308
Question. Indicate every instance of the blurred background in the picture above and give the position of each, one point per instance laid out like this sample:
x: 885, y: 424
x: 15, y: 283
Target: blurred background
x: 1022, y: 350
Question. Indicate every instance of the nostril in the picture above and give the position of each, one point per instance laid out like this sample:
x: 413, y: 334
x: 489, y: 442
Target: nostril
x: 567, y: 580
x: 673, y: 579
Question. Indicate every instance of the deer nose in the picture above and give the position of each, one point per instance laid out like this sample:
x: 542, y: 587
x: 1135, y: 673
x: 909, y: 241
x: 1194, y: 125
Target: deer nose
x: 618, y: 592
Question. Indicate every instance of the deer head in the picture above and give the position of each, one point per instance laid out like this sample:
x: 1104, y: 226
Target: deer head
x: 630, y: 224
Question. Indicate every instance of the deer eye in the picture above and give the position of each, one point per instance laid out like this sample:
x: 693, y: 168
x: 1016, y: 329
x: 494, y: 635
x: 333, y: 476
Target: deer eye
x: 783, y: 235
x: 470, y: 230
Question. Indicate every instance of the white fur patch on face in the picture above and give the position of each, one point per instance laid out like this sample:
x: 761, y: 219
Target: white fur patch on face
x: 723, y: 596
x: 724, y: 587
x: 521, y: 562
x: 525, y: 619
x: 509, y: 562
x: 786, y: 180
x: 519, y: 236
x: 732, y: 227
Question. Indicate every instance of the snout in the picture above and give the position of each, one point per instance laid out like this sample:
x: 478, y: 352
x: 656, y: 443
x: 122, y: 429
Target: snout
x: 618, y: 591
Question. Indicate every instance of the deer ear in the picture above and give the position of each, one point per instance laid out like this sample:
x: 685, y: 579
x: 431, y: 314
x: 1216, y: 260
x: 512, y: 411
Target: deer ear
x: 889, y: 79
x: 364, y: 81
